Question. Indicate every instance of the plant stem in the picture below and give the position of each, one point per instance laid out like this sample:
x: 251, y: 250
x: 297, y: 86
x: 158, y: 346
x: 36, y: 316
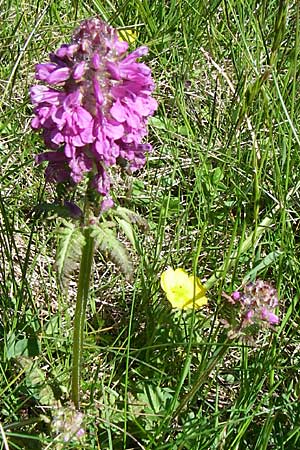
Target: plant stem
x: 79, y: 321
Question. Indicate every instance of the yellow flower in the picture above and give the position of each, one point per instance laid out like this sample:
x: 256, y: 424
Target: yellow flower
x: 183, y: 291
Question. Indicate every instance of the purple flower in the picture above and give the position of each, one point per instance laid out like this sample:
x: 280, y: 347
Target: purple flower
x: 95, y: 107
x: 260, y: 299
x: 252, y: 309
x: 67, y: 423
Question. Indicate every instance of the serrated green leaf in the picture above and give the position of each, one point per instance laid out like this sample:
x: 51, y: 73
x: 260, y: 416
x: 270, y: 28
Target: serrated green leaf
x: 112, y: 248
x: 69, y: 250
x: 128, y: 231
x: 131, y: 217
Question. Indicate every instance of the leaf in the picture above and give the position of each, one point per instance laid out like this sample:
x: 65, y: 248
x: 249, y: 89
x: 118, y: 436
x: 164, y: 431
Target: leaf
x: 53, y: 326
x: 69, y: 250
x: 128, y: 231
x: 21, y: 347
x: 111, y: 247
x: 156, y: 399
x: 131, y: 217
x: 266, y: 262
x: 217, y: 175
x: 66, y: 211
x: 36, y: 381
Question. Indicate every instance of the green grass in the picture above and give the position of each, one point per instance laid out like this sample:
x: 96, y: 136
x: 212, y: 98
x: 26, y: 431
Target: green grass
x: 226, y: 155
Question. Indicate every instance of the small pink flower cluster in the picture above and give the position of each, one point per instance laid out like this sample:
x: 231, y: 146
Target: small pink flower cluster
x: 67, y: 424
x: 94, y: 108
x: 258, y: 302
x: 250, y: 310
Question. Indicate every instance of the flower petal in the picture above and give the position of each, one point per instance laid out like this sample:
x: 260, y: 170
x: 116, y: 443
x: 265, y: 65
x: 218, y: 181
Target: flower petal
x: 183, y: 291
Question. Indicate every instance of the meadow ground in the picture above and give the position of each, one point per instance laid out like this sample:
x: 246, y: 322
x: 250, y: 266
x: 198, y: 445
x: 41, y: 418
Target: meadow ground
x: 225, y: 160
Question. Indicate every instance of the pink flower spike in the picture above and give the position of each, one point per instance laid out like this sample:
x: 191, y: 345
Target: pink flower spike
x: 74, y: 210
x: 62, y: 51
x: 118, y: 112
x: 97, y: 91
x: 35, y: 123
x: 99, y: 108
x: 80, y: 433
x: 141, y: 51
x: 113, y: 70
x: 41, y: 94
x: 273, y: 319
x: 121, y: 47
x: 248, y: 316
x: 269, y: 316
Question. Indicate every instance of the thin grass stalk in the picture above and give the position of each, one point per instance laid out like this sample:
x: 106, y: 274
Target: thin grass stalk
x: 202, y: 377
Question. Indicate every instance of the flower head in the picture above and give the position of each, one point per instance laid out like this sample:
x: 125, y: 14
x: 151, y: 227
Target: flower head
x: 67, y: 423
x: 183, y: 291
x: 94, y: 106
x: 254, y: 308
x: 261, y: 299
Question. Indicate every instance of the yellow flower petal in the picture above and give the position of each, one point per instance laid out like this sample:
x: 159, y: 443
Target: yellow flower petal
x: 183, y: 291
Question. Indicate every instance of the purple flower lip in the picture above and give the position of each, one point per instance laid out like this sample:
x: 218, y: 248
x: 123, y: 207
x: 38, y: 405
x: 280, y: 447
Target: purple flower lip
x: 269, y: 316
x: 106, y: 204
x: 79, y: 70
x: 236, y: 295
x: 95, y: 106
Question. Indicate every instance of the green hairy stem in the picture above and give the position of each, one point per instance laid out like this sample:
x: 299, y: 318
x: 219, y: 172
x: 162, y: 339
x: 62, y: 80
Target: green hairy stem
x: 80, y: 312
